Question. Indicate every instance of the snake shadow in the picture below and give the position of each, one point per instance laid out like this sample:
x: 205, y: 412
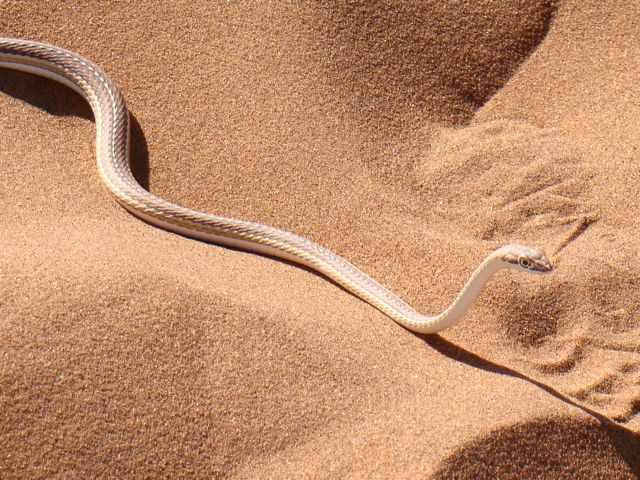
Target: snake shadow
x: 61, y: 101
x: 626, y: 442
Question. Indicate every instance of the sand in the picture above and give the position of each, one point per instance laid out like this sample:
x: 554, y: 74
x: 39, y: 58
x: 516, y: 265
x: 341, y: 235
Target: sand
x: 410, y: 137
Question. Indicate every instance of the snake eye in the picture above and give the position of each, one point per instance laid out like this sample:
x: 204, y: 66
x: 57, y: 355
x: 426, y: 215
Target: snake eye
x: 524, y: 263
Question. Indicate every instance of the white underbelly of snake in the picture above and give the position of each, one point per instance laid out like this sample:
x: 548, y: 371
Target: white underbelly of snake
x: 112, y: 151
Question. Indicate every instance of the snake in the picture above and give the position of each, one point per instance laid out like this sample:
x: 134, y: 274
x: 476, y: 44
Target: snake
x: 112, y: 152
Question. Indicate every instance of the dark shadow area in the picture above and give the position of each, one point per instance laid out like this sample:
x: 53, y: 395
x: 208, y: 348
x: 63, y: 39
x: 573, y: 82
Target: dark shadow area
x: 61, y: 101
x: 446, y: 58
x: 626, y: 442
x: 138, y: 153
x: 52, y: 97
x: 559, y: 447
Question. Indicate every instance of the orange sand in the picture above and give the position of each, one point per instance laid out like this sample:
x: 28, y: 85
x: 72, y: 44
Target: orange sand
x: 410, y: 137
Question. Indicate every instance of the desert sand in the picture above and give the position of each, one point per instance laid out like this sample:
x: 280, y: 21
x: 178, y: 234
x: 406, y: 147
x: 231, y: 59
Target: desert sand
x: 412, y: 138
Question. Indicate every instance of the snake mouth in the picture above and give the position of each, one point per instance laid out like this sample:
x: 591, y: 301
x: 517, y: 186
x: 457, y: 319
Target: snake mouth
x: 544, y: 274
x: 547, y: 270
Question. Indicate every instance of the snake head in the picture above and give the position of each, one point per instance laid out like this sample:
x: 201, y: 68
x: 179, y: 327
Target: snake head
x: 529, y: 259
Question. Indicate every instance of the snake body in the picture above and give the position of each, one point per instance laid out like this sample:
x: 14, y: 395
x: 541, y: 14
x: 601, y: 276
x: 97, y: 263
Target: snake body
x: 112, y: 149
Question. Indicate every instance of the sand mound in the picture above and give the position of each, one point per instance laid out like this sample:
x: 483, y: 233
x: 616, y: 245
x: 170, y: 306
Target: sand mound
x: 550, y: 448
x: 389, y: 59
x: 411, y: 138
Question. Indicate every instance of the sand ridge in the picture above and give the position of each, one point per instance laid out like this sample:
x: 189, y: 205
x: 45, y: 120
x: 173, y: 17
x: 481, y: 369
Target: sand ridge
x: 410, y: 138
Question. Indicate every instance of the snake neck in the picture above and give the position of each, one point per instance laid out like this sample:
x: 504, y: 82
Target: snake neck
x: 465, y: 298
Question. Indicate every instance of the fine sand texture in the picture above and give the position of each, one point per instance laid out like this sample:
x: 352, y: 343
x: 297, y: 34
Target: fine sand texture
x: 410, y: 137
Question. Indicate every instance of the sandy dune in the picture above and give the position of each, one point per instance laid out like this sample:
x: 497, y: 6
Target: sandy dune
x: 411, y: 138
